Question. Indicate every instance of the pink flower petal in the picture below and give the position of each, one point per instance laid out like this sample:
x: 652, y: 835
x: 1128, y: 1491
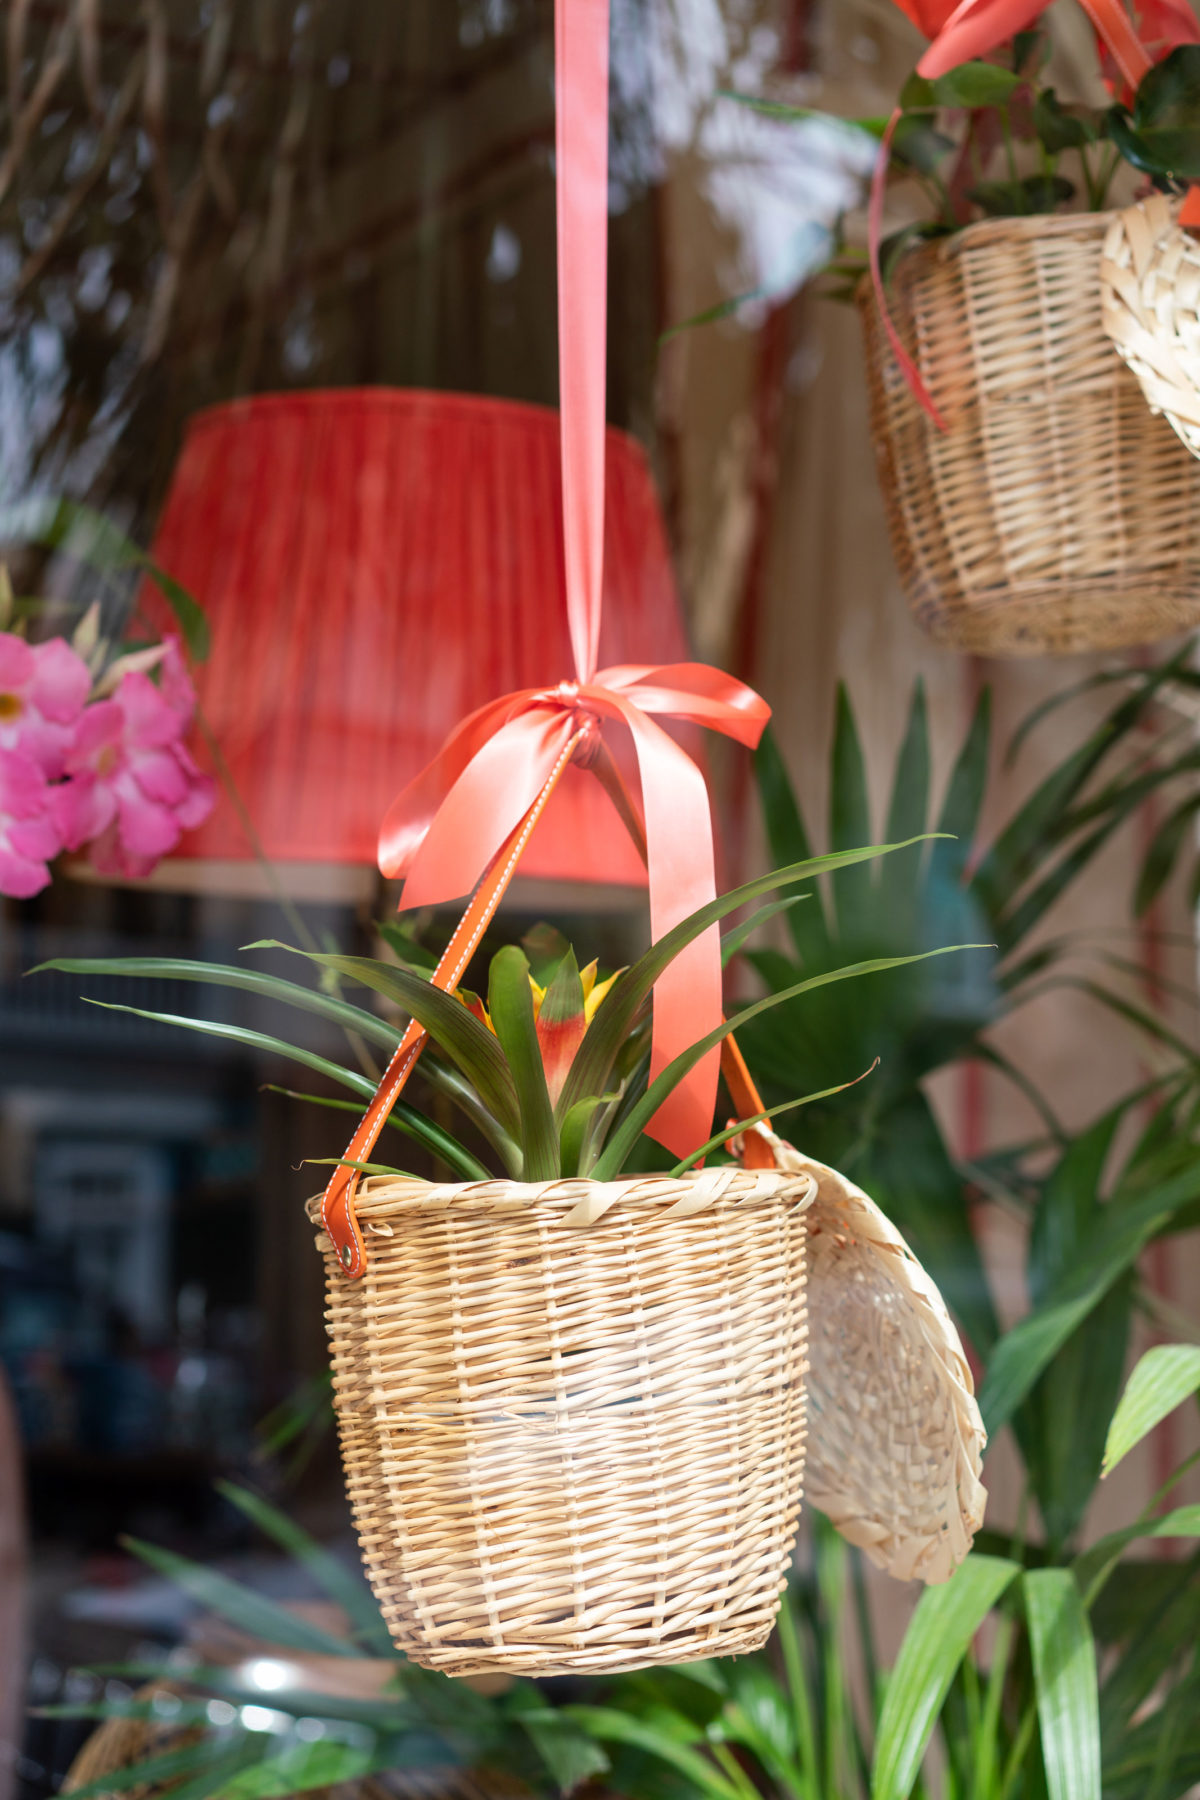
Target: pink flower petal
x: 159, y: 776
x: 39, y: 739
x: 38, y: 839
x: 201, y: 798
x: 83, y: 808
x: 146, y: 828
x: 174, y: 682
x: 21, y: 876
x: 16, y: 663
x: 149, y: 721
x: 99, y: 725
x: 61, y: 681
x: 22, y: 786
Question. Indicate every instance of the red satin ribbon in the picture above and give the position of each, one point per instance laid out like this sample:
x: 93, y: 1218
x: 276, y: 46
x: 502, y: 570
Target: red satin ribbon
x: 974, y: 29
x: 447, y: 826
x: 445, y: 829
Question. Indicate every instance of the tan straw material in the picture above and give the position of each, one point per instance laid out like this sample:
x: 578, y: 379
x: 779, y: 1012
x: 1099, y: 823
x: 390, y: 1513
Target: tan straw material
x: 1150, y: 300
x: 572, y: 1415
x: 1056, y: 513
x: 895, y: 1440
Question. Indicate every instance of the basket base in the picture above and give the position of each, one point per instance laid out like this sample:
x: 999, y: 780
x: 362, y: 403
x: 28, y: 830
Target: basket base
x: 1041, y: 622
x: 537, y: 1663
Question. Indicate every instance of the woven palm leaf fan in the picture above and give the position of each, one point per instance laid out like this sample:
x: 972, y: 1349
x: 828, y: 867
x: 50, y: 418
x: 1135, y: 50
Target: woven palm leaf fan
x: 895, y: 1439
x: 1150, y: 297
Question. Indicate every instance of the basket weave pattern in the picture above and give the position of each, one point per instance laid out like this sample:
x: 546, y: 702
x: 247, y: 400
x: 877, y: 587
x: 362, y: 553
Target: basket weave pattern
x: 1055, y: 513
x: 1150, y: 290
x: 572, y: 1415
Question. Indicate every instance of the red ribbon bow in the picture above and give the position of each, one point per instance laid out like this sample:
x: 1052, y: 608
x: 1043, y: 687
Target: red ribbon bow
x: 447, y: 826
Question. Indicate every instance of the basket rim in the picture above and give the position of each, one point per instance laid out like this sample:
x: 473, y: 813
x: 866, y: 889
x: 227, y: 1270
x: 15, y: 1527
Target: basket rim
x: 382, y: 1196
x: 987, y: 233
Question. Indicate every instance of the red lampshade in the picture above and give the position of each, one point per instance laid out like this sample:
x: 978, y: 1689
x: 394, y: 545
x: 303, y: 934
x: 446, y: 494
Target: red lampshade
x: 375, y: 564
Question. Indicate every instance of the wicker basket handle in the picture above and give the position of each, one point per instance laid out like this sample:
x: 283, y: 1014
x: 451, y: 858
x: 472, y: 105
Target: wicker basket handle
x: 337, y: 1207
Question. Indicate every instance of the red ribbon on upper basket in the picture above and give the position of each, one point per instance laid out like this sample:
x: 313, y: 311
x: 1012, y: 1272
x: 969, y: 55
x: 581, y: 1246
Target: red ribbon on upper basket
x: 974, y: 28
x: 447, y: 826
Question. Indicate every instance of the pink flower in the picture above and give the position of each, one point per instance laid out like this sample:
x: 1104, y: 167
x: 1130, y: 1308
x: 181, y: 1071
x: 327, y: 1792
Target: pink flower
x: 29, y: 836
x: 43, y: 688
x: 133, y: 788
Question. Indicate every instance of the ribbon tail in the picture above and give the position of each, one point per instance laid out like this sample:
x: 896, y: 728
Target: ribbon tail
x: 908, y: 367
x: 682, y: 878
x: 973, y: 29
x: 1113, y: 24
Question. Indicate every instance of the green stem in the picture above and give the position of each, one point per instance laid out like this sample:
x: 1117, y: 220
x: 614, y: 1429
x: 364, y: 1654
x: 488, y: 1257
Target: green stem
x: 1010, y: 153
x: 797, y: 1681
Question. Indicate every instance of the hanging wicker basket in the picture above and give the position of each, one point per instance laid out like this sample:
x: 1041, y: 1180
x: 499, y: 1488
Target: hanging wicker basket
x: 1055, y: 513
x: 573, y: 1415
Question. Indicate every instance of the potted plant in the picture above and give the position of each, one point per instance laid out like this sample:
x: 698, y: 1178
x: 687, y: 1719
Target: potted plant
x: 1034, y: 503
x: 573, y: 1399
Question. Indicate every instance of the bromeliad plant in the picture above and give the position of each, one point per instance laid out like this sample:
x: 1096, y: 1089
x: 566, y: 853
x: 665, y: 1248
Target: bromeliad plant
x: 551, y: 1073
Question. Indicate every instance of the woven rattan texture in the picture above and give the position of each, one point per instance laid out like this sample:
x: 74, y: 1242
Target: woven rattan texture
x: 1055, y: 513
x: 572, y: 1415
x: 895, y: 1440
x: 1150, y: 300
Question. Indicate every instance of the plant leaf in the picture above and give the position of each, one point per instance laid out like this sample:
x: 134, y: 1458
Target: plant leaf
x: 768, y: 1112
x: 271, y: 987
x: 732, y: 941
x: 1058, y: 127
x: 92, y: 539
x: 611, y: 1726
x: 510, y: 1002
x: 347, y: 1588
x: 619, y: 1146
x: 561, y: 1023
x: 941, y: 1628
x: 1064, y: 1673
x: 1162, y: 1380
x: 571, y: 1754
x: 468, y: 1044
x: 407, y: 1120
x: 975, y: 84
x: 849, y: 823
x: 908, y: 810
x: 1124, y: 1227
x: 1093, y: 1566
x: 609, y: 1030
x: 789, y: 843
x: 1163, y: 853
x: 249, y: 1611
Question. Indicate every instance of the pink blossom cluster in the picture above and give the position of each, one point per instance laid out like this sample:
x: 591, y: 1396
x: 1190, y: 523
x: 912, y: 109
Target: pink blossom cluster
x: 112, y: 773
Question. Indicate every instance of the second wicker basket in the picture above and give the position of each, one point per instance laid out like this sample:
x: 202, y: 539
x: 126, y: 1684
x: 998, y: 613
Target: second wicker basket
x: 1055, y: 513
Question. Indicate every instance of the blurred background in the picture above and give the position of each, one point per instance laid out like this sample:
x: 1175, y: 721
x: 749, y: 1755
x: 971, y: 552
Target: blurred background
x: 204, y: 199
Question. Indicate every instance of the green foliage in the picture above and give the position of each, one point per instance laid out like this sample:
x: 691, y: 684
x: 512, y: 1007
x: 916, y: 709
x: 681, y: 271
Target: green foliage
x: 88, y: 536
x: 1162, y: 136
x: 1064, y: 1667
x: 1163, y: 1380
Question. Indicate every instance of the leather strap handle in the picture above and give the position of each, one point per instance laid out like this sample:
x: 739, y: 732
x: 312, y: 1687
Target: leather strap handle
x: 337, y: 1208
